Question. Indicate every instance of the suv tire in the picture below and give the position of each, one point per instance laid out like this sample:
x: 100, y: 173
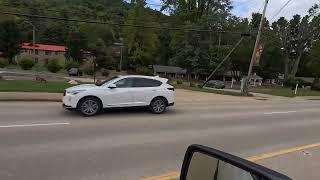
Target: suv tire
x: 89, y: 106
x: 158, y: 105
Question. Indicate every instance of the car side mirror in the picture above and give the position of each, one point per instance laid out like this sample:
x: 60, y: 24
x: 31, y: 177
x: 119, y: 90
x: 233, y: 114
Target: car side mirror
x: 112, y: 86
x: 204, y: 163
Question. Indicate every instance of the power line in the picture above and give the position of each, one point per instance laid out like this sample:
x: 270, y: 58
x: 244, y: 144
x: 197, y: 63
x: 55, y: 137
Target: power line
x: 117, y: 24
x: 285, y: 5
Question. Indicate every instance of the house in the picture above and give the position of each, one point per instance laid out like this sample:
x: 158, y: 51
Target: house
x: 42, y: 52
x: 169, y: 71
x: 255, y: 80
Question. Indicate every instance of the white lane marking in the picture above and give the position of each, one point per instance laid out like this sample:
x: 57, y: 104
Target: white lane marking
x: 31, y: 125
x: 284, y: 112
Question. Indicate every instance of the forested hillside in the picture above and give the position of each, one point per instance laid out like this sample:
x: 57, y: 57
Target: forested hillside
x: 195, y: 35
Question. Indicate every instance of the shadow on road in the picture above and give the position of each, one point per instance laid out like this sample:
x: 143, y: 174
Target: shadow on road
x: 118, y: 112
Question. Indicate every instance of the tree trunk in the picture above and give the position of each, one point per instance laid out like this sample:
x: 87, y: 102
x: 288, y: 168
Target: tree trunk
x: 286, y: 68
x: 295, y: 67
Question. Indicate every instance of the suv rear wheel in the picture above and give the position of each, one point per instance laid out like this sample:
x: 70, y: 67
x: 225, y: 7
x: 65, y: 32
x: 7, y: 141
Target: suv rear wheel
x: 89, y: 106
x: 158, y: 105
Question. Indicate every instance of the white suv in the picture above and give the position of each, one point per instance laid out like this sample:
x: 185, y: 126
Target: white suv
x: 120, y: 91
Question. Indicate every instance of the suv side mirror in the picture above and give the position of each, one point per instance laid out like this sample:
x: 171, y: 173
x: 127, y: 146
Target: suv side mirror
x: 204, y: 163
x: 112, y: 86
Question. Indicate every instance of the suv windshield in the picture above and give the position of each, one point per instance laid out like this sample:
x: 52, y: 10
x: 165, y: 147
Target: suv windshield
x: 106, y: 81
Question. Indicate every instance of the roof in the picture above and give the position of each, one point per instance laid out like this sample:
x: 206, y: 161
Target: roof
x: 43, y: 47
x: 148, y: 77
x: 169, y: 69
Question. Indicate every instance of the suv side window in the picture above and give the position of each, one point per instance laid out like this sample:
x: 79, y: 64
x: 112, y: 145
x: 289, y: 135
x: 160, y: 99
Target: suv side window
x: 124, y: 83
x: 144, y: 82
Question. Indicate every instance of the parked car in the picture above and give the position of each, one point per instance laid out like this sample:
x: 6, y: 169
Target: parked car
x: 215, y: 84
x: 121, y: 91
x: 75, y: 72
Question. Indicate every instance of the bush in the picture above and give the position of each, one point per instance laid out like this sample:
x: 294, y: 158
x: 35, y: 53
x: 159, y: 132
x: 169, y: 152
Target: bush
x: 316, y: 85
x: 3, y: 62
x: 26, y: 63
x: 71, y: 64
x: 105, y: 72
x: 192, y: 85
x: 179, y: 82
x: 54, y: 65
x: 294, y: 82
x: 88, y: 68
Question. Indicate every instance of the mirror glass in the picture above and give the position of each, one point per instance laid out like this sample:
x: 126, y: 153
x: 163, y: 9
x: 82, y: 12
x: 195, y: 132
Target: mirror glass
x: 204, y: 167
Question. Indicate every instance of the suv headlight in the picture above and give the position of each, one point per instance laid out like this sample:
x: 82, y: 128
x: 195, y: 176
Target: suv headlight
x: 76, y: 91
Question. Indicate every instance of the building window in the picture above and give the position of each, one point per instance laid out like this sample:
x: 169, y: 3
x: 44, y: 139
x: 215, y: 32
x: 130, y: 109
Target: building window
x: 48, y: 53
x: 56, y: 53
x: 36, y: 60
x: 37, y: 52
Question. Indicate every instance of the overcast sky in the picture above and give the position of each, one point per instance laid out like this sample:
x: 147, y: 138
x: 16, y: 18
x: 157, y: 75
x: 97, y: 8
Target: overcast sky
x: 244, y: 8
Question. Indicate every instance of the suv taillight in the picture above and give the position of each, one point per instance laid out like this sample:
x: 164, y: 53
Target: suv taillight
x: 171, y: 89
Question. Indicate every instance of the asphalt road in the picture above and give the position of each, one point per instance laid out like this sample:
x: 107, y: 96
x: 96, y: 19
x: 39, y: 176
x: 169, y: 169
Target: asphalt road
x: 40, y: 141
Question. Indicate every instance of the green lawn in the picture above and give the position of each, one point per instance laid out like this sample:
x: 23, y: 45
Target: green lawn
x: 182, y: 86
x: 32, y: 86
x: 287, y: 92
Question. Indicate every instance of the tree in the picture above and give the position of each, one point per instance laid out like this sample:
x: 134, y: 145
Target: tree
x: 77, y: 43
x: 10, y: 38
x: 296, y: 37
x: 141, y: 42
x: 314, y: 59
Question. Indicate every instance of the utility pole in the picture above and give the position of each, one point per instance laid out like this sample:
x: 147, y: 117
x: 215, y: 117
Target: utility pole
x: 256, y: 46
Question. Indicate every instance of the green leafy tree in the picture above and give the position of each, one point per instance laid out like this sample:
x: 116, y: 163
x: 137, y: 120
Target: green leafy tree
x: 296, y: 37
x: 10, y: 38
x: 141, y: 42
x: 77, y: 43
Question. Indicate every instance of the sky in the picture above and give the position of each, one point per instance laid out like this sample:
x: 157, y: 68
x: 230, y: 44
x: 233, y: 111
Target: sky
x: 244, y: 8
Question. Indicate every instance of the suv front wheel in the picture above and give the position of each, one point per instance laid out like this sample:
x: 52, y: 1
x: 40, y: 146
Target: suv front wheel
x: 158, y: 105
x: 89, y: 106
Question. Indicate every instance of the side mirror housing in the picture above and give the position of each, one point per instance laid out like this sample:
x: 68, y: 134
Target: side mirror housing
x: 204, y: 163
x: 112, y: 86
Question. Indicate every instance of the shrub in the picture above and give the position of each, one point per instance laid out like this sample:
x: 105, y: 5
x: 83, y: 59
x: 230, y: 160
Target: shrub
x: 293, y: 82
x: 71, y: 64
x: 54, y: 65
x: 26, y: 63
x: 88, y: 68
x: 192, y: 85
x: 3, y: 62
x: 316, y: 85
x: 179, y: 82
x: 105, y: 72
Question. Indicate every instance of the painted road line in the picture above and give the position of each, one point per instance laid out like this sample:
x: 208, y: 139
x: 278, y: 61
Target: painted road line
x: 283, y: 112
x: 32, y: 125
x: 282, y: 152
x: 175, y: 175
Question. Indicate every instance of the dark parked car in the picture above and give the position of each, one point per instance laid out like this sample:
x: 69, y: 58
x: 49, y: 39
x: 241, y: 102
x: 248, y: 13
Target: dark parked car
x: 75, y: 72
x: 215, y: 84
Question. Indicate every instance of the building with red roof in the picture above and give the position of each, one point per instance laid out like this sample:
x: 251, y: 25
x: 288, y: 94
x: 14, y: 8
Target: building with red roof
x: 42, y: 52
